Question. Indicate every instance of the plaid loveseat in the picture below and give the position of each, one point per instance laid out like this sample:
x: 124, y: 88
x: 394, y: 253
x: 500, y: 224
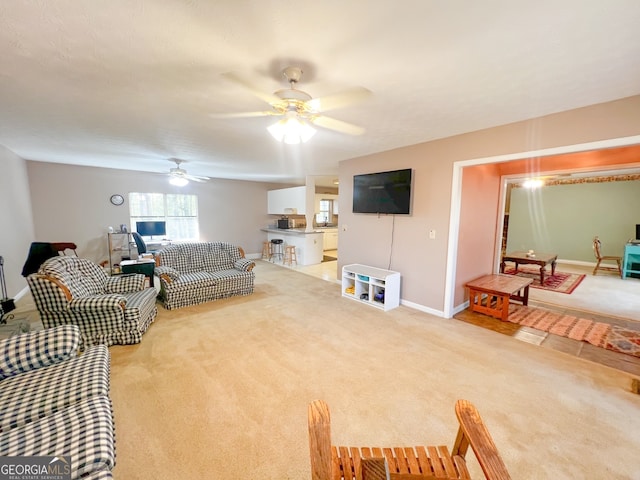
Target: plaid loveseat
x: 192, y: 273
x: 108, y: 310
x: 56, y: 403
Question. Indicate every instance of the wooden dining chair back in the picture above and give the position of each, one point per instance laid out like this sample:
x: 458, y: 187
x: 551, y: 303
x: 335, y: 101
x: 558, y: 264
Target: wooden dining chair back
x: 65, y: 248
x: 331, y: 462
x: 597, y: 251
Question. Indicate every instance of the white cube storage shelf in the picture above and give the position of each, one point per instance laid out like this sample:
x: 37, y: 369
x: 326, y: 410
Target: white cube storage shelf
x: 373, y: 286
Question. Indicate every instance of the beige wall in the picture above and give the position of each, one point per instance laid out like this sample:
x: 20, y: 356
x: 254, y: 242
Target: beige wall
x: 478, y: 223
x: 16, y: 225
x: 71, y: 203
x: 421, y: 261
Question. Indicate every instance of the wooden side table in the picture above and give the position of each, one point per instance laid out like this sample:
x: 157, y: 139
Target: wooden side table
x: 491, y: 294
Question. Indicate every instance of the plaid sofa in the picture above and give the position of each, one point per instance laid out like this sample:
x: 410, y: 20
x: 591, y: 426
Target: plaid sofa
x: 108, y: 309
x: 192, y: 273
x: 54, y: 402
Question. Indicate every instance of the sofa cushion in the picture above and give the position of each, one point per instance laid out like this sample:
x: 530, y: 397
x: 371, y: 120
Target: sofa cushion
x: 234, y: 282
x: 140, y: 305
x: 29, y: 351
x: 83, y: 430
x: 26, y: 397
x: 216, y: 257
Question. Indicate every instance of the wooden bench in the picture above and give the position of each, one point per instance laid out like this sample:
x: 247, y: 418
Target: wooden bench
x: 491, y: 294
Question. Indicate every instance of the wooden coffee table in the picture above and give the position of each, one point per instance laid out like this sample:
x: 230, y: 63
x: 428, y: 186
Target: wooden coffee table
x: 491, y: 294
x: 540, y: 259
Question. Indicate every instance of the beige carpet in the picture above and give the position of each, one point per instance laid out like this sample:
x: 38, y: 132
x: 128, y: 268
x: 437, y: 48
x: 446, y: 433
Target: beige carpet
x: 605, y: 293
x: 220, y: 391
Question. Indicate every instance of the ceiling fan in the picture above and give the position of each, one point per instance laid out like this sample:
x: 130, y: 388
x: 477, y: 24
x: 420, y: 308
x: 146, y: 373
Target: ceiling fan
x: 178, y: 176
x: 292, y: 103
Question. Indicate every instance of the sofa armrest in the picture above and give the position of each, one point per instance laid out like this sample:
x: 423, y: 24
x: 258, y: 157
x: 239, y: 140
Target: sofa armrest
x: 131, y: 282
x: 29, y: 351
x: 166, y: 273
x: 97, y: 303
x: 244, y: 264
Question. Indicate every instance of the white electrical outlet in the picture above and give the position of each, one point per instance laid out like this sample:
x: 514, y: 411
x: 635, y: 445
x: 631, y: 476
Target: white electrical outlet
x: 432, y: 234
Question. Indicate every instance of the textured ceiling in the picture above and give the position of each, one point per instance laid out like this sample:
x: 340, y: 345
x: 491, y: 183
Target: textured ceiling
x: 131, y: 83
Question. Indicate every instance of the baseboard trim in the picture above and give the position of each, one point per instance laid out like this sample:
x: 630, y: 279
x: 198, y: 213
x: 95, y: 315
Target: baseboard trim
x: 422, y: 308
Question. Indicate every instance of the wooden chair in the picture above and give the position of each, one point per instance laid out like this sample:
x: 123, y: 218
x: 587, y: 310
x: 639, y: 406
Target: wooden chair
x: 63, y: 247
x: 597, y: 251
x: 290, y: 255
x: 329, y: 462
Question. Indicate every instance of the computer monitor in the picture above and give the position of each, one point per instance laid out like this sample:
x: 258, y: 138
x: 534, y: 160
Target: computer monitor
x: 638, y: 232
x: 151, y: 228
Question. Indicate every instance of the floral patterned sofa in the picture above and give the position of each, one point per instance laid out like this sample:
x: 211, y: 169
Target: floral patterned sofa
x: 193, y: 273
x: 108, y: 309
x: 56, y: 403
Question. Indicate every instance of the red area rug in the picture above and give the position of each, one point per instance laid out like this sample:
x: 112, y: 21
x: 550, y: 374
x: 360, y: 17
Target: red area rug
x: 559, y: 282
x: 611, y: 337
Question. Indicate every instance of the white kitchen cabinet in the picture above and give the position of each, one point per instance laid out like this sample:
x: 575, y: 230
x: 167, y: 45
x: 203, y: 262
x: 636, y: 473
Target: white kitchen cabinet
x: 308, y: 244
x: 330, y: 241
x: 287, y: 201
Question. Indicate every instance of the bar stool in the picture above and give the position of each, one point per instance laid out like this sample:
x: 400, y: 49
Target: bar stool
x: 266, y: 250
x: 290, y: 255
x: 276, y: 248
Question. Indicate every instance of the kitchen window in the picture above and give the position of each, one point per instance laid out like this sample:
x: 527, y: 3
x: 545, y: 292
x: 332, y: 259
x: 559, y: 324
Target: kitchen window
x: 325, y: 212
x: 180, y: 212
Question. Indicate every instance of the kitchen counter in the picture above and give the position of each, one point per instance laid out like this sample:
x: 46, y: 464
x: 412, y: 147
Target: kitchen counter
x: 308, y: 244
x: 291, y: 231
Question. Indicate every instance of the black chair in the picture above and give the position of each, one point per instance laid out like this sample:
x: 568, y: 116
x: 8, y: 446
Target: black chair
x: 140, y: 245
x: 41, y: 251
x: 38, y: 253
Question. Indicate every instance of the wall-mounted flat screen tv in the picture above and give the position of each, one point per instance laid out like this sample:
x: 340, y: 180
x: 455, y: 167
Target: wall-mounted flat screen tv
x: 383, y: 192
x: 151, y: 229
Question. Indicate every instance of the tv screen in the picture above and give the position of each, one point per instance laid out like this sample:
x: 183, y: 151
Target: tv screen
x: 151, y: 229
x: 383, y: 192
x: 638, y: 232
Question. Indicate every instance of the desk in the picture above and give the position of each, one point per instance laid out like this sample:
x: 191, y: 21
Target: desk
x: 631, y: 261
x: 540, y: 259
x: 146, y: 267
x: 499, y: 289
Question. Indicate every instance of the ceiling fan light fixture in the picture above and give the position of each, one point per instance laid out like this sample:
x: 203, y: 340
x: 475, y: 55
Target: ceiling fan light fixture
x: 178, y: 181
x: 533, y: 183
x: 291, y: 130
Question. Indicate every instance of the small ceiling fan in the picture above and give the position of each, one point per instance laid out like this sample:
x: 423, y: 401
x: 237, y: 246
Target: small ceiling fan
x: 294, y: 103
x: 179, y: 176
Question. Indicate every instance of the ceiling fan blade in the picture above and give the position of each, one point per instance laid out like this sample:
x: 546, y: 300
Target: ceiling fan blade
x: 196, y: 178
x: 339, y: 100
x: 338, y: 125
x: 267, y: 97
x: 244, y: 114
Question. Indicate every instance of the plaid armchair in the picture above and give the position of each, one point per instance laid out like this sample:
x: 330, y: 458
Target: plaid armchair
x: 192, y: 273
x: 108, y: 310
x: 56, y: 402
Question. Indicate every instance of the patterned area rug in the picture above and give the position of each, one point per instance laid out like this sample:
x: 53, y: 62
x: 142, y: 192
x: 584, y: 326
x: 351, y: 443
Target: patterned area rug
x: 611, y: 337
x: 559, y: 282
